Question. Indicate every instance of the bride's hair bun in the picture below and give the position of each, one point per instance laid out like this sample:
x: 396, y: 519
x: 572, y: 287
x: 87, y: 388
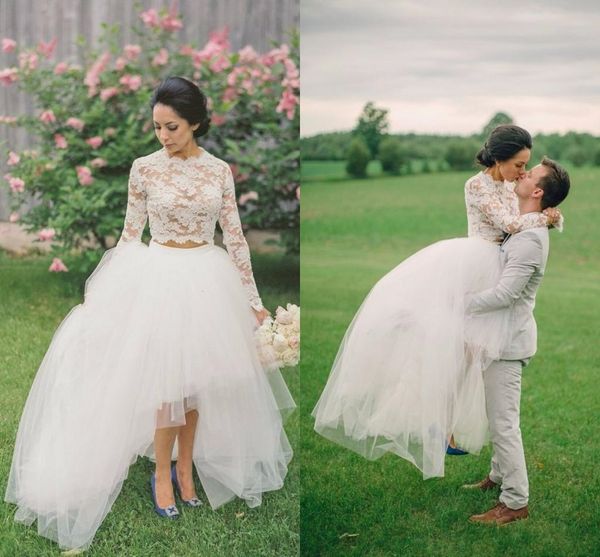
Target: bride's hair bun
x: 504, y: 142
x: 186, y: 99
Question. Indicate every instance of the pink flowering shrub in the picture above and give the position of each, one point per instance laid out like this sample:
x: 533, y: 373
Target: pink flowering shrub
x: 92, y: 122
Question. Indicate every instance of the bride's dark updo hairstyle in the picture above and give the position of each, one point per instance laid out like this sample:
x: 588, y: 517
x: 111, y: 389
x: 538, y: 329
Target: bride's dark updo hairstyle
x: 504, y: 142
x: 186, y: 99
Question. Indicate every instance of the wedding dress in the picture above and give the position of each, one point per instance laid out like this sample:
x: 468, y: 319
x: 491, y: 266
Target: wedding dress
x: 161, y: 331
x: 407, y: 374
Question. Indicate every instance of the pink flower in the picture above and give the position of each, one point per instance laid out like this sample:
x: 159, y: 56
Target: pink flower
x: 108, y: 93
x: 84, y: 175
x: 61, y: 68
x: 9, y: 76
x: 120, y: 63
x: 220, y: 64
x: 110, y: 132
x: 60, y: 141
x: 16, y: 184
x: 288, y: 104
x: 92, y: 77
x: 8, y: 119
x: 132, y: 51
x: 248, y: 196
x: 170, y: 23
x: 298, y: 193
x: 46, y: 234
x: 47, y: 117
x: 98, y: 163
x: 217, y: 119
x: 131, y: 82
x: 57, y: 266
x: 46, y: 49
x: 28, y: 60
x: 248, y: 55
x: 150, y: 18
x: 221, y: 38
x: 76, y: 123
x: 186, y: 50
x: 230, y: 94
x: 13, y: 158
x: 14, y: 217
x: 94, y: 142
x: 162, y: 58
x: 8, y: 45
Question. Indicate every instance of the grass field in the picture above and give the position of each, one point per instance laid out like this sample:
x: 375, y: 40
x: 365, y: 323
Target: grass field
x: 352, y: 233
x: 336, y: 170
x: 32, y: 304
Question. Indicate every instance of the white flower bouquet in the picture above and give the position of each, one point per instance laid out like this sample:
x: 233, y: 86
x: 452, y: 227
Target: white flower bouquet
x: 278, y: 339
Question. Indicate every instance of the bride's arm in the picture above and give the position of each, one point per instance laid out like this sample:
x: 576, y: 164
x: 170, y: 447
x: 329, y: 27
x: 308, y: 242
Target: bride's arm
x: 137, y: 214
x: 237, y: 247
x: 502, y: 214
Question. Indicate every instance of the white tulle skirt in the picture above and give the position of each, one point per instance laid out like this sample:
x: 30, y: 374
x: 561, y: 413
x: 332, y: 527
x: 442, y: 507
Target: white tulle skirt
x: 408, y: 372
x: 161, y: 331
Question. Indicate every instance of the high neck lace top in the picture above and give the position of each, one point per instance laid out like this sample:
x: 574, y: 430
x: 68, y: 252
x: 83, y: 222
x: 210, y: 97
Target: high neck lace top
x: 183, y: 200
x: 493, y: 209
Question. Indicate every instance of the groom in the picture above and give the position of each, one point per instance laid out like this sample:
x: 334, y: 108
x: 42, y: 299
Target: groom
x: 524, y: 258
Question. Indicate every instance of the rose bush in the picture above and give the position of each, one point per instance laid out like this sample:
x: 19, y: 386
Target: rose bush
x: 93, y: 121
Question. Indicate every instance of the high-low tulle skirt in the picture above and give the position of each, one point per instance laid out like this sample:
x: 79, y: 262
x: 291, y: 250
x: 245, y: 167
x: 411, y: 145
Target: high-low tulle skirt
x: 408, y: 373
x: 161, y: 331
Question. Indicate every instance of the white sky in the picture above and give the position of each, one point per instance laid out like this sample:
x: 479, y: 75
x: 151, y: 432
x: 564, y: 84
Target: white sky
x: 447, y: 66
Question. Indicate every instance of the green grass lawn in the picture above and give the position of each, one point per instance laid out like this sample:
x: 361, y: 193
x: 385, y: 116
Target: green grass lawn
x: 32, y: 304
x: 312, y: 171
x: 352, y: 233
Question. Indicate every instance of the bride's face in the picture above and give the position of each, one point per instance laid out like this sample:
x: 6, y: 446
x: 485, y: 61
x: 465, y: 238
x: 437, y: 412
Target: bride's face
x: 173, y: 131
x: 514, y: 168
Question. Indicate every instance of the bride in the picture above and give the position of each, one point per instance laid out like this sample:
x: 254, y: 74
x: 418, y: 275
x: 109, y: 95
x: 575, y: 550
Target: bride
x: 160, y: 359
x: 407, y: 375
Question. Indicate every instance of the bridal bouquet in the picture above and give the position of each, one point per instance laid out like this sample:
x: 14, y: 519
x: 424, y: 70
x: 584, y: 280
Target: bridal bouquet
x: 278, y: 339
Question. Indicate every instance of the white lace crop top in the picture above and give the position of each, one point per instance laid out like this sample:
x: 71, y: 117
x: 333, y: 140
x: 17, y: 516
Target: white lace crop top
x: 183, y: 200
x: 493, y: 209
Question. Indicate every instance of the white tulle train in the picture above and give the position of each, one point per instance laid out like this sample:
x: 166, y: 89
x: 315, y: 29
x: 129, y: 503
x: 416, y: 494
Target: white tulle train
x: 408, y: 372
x: 161, y: 331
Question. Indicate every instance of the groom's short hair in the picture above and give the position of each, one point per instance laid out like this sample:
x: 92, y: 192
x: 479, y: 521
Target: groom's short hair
x: 555, y: 183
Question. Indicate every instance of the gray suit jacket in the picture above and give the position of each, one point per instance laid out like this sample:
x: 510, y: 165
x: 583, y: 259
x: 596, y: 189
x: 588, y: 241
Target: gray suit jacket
x: 524, y: 256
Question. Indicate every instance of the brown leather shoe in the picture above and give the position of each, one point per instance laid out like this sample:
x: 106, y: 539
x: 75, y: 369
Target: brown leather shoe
x: 483, y: 485
x: 501, y: 515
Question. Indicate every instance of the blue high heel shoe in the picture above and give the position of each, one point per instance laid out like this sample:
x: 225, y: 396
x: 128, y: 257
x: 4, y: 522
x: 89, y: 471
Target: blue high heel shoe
x: 194, y: 501
x: 170, y: 512
x: 455, y: 451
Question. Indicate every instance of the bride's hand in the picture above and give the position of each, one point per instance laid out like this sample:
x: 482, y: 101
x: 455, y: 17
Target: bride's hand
x: 553, y: 215
x: 261, y: 314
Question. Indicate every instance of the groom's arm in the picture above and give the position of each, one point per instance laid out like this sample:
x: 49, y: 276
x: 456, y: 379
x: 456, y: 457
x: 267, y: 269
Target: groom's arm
x: 524, y: 254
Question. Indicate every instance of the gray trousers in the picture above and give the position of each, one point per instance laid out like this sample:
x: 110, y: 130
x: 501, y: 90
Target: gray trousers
x: 502, y: 382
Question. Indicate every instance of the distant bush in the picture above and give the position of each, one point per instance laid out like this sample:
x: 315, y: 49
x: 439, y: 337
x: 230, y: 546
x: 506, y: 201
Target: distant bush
x: 391, y: 155
x: 358, y: 158
x: 460, y: 155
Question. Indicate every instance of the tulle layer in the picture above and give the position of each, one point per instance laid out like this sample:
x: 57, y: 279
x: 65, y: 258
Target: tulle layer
x: 408, y: 372
x: 161, y: 331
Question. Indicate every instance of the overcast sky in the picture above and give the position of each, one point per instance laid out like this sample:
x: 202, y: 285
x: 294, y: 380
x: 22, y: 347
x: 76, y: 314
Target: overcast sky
x: 447, y: 66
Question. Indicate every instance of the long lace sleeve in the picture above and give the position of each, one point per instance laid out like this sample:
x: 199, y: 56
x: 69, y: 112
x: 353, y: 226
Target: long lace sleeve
x: 233, y: 238
x: 137, y: 214
x: 501, y: 212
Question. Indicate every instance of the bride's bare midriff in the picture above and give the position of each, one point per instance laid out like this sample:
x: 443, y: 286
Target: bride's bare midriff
x: 184, y: 245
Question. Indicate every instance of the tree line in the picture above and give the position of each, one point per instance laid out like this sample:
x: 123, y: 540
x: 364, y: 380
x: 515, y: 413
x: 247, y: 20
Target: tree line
x: 410, y: 153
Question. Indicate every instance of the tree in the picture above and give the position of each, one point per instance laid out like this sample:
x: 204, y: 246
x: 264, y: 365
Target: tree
x: 460, y: 155
x: 497, y: 119
x: 391, y: 155
x: 358, y: 158
x: 372, y: 126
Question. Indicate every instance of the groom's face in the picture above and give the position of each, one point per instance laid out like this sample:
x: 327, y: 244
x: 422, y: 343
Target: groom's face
x: 528, y: 185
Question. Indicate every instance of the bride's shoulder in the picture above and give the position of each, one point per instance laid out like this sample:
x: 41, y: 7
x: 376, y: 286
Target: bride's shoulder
x: 149, y: 160
x: 477, y: 182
